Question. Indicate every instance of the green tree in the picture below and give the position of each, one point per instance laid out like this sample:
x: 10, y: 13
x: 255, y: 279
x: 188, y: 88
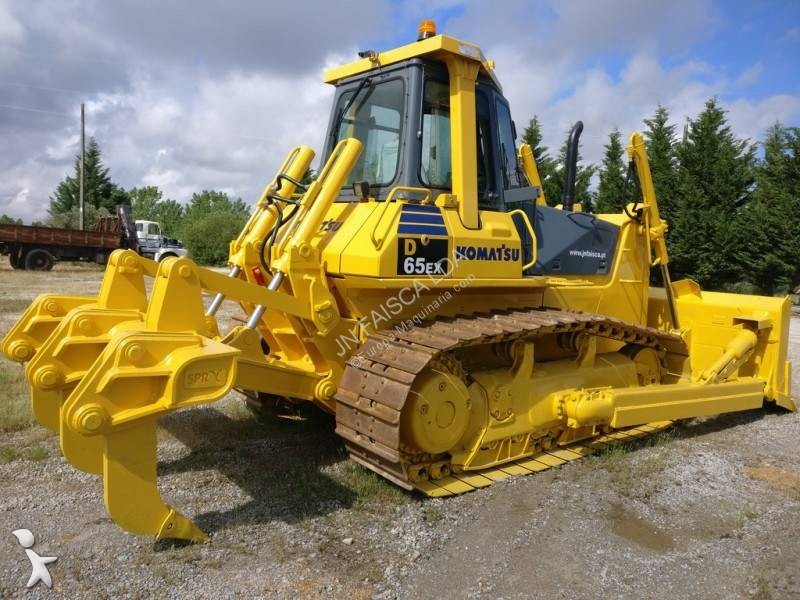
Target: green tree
x: 716, y: 172
x: 211, y: 220
x: 767, y: 232
x: 211, y: 201
x: 612, y: 176
x: 71, y: 218
x: 99, y: 191
x: 147, y: 204
x: 170, y: 214
x: 544, y: 162
x: 660, y: 142
x: 208, y: 237
x: 144, y: 202
x: 6, y: 220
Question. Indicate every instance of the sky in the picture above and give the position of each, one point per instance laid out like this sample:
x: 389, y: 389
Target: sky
x: 212, y: 95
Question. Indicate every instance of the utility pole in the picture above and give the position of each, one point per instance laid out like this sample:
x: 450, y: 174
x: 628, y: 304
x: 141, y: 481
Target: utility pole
x: 83, y: 159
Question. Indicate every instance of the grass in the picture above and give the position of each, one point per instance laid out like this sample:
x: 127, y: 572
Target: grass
x: 747, y: 514
x: 280, y: 547
x: 763, y: 589
x: 368, y: 488
x: 638, y: 477
x: 330, y: 540
x: 433, y: 513
x: 7, y: 454
x: 16, y: 414
x: 37, y: 453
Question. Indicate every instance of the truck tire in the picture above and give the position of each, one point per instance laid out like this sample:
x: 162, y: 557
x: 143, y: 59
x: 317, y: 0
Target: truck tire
x: 167, y: 255
x: 39, y: 259
x: 15, y: 260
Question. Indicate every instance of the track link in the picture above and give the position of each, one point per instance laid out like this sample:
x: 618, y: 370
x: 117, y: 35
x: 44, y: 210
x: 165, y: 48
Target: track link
x: 379, y: 377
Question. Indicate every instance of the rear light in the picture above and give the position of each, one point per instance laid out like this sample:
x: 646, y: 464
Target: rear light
x: 259, y: 276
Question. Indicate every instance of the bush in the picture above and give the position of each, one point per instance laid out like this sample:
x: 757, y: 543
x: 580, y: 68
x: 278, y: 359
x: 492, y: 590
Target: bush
x: 208, y: 238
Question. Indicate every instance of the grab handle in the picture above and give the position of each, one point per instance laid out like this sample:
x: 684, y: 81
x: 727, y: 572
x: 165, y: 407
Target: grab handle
x: 529, y: 227
x: 378, y: 242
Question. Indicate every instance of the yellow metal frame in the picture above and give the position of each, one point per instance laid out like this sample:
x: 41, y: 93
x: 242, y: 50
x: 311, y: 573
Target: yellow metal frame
x: 528, y: 163
x: 438, y: 47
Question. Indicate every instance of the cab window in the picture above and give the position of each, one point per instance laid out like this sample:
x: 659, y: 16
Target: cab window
x: 435, y: 168
x: 508, y: 152
x: 435, y: 158
x: 375, y: 119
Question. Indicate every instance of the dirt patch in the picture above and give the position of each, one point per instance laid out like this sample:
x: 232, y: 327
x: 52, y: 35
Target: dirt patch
x: 776, y: 478
x: 631, y: 526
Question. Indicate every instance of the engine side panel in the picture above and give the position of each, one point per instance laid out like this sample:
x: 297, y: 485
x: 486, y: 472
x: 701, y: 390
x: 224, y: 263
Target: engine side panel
x: 573, y: 243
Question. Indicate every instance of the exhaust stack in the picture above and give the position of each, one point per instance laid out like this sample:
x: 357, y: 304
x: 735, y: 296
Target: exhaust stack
x: 572, y: 165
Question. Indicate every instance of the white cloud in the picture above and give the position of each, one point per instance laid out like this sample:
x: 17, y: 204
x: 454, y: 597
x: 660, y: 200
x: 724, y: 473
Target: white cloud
x: 750, y: 119
x: 546, y: 67
x: 604, y: 103
x: 204, y: 103
x: 750, y: 75
x: 631, y: 25
x: 231, y: 134
x: 11, y: 30
x: 190, y: 113
x: 545, y: 61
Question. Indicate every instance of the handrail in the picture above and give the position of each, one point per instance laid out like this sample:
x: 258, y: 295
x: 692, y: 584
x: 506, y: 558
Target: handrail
x: 529, y: 227
x: 390, y: 198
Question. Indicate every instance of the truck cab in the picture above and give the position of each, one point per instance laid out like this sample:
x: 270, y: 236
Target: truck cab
x: 153, y: 244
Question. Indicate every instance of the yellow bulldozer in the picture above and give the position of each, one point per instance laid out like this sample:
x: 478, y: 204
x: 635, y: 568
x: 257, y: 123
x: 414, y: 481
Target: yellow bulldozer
x: 422, y: 290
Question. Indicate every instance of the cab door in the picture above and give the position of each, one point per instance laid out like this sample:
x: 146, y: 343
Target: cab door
x: 516, y: 194
x: 153, y: 237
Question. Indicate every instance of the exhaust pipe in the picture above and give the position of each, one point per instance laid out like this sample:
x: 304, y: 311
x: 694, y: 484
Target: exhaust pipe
x: 571, y: 167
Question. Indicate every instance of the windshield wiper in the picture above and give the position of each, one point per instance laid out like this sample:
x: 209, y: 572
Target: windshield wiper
x: 335, y: 129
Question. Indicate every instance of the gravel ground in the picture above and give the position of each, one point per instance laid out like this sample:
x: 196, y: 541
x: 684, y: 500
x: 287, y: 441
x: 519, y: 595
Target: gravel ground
x: 707, y: 510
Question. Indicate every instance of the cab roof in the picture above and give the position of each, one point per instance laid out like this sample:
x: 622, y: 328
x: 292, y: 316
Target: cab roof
x: 435, y: 47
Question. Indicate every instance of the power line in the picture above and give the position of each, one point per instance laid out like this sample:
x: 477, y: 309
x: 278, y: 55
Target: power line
x: 62, y: 58
x: 36, y: 110
x: 42, y: 87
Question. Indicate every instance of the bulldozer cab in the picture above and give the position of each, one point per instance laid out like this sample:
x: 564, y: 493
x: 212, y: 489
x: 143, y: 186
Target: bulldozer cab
x: 402, y: 116
x: 430, y: 115
x: 437, y: 120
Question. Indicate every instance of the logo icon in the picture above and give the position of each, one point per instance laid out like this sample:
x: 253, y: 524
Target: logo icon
x: 39, y: 570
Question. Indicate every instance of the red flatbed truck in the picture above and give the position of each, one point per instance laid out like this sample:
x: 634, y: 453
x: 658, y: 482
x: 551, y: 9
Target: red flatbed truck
x: 38, y: 248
